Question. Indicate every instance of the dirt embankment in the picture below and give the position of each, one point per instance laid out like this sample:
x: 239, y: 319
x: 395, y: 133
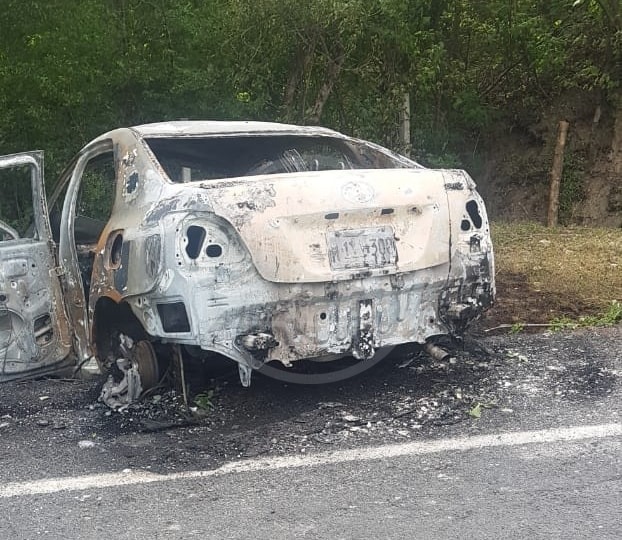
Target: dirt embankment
x: 513, y: 170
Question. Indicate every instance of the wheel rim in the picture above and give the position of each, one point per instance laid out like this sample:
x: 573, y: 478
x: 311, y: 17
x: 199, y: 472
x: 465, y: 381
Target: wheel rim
x: 285, y: 375
x: 145, y: 360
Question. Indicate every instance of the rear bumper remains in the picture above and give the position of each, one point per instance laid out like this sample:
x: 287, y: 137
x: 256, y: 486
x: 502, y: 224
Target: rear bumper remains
x: 264, y: 321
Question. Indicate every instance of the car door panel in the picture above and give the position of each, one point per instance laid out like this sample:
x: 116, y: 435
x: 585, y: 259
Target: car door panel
x: 35, y: 338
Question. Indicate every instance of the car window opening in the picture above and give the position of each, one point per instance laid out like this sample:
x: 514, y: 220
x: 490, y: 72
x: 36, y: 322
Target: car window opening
x: 210, y: 158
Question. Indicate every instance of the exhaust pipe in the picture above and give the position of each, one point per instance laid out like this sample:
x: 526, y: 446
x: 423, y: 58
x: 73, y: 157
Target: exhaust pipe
x: 436, y: 352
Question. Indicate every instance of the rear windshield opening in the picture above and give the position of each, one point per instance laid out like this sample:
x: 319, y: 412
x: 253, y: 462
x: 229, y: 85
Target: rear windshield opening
x: 209, y: 158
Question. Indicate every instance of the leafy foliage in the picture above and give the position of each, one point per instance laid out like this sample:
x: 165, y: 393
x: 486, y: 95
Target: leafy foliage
x: 70, y: 73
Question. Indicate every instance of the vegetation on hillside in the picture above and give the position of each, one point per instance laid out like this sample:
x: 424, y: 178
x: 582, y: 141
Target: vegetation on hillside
x: 72, y: 70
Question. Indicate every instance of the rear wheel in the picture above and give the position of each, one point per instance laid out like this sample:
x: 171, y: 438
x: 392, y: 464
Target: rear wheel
x: 144, y: 359
x: 308, y: 372
x: 134, y: 372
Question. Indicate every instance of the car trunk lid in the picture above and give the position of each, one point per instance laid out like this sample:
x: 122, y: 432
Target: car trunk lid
x: 338, y: 225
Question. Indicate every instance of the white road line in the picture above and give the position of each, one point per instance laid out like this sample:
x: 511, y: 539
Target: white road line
x: 127, y: 478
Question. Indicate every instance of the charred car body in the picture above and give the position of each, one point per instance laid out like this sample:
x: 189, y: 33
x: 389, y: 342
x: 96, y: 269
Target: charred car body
x: 260, y: 242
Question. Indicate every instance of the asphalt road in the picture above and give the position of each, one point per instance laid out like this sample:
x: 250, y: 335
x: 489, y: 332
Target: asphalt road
x: 524, y: 442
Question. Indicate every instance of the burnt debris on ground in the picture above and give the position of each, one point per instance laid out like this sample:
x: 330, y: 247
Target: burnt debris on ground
x: 405, y: 396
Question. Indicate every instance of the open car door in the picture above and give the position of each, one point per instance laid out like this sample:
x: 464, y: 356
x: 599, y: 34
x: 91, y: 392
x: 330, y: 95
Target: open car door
x: 35, y: 336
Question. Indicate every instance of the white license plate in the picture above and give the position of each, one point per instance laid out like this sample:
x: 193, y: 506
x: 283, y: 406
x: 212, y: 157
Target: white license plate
x: 361, y: 248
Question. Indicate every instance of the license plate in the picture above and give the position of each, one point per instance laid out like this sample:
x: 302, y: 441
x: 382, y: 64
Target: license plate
x: 361, y: 248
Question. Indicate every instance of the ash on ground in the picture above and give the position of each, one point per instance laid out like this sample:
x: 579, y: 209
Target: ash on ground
x: 407, y: 396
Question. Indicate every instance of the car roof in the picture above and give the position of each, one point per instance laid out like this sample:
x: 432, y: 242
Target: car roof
x: 195, y: 128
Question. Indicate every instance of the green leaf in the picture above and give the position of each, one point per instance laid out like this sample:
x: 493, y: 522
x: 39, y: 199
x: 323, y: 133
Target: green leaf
x: 476, y: 410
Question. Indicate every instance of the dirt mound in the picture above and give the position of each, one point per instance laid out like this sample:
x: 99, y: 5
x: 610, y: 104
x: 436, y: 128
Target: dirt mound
x: 513, y: 171
x: 518, y: 302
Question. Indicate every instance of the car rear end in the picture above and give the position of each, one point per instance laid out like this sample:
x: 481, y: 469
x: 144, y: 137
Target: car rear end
x: 293, y: 261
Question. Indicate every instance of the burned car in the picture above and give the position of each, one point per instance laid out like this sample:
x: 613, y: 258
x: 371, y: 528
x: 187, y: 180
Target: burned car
x: 264, y: 243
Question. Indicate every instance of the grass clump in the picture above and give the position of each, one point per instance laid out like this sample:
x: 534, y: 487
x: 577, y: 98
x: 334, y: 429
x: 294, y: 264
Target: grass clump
x: 612, y: 316
x: 204, y: 401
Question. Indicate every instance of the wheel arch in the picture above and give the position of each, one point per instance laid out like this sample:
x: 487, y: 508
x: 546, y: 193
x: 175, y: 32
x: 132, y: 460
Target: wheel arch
x: 109, y: 319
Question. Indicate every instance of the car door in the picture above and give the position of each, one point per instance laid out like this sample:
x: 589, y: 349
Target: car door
x: 35, y: 335
x: 86, y: 208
